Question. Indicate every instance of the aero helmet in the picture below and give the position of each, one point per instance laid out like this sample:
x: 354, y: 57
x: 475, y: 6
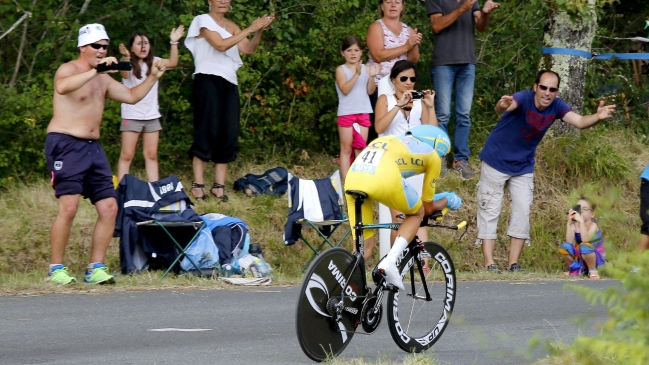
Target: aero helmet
x: 432, y: 136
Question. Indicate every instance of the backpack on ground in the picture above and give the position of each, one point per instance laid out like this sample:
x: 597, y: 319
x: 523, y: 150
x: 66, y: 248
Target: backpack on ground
x: 274, y: 182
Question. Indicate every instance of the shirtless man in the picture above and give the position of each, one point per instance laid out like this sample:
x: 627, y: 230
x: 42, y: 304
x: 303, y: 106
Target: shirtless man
x: 77, y: 163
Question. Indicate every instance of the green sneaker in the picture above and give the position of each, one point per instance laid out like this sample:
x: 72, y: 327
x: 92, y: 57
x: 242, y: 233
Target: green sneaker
x: 99, y: 275
x: 59, y: 275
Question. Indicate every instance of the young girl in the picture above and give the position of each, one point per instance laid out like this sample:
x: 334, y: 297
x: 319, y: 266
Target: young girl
x: 143, y: 116
x: 583, y: 250
x: 354, y: 83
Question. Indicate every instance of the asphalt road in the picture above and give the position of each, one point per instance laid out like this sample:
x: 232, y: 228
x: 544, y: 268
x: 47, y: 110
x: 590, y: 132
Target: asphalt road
x: 492, y: 324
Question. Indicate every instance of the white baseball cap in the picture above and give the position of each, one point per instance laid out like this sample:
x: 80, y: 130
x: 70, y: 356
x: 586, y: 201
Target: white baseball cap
x: 91, y: 33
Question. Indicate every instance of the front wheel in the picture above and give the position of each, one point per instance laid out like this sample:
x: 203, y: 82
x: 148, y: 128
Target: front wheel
x: 415, y: 322
x: 320, y: 335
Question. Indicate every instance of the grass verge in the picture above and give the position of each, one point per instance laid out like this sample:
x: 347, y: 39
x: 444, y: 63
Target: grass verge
x: 605, y: 167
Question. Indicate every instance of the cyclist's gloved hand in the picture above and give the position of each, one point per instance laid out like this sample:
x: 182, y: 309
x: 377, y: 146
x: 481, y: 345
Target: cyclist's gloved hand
x: 454, y: 201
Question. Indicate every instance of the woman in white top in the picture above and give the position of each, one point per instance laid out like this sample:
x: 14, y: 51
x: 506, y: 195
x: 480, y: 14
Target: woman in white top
x: 388, y: 41
x: 397, y: 113
x: 142, y: 117
x: 215, y: 43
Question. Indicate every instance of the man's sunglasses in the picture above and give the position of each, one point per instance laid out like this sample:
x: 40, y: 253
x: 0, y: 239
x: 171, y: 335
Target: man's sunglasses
x: 405, y: 78
x: 545, y: 88
x: 97, y: 46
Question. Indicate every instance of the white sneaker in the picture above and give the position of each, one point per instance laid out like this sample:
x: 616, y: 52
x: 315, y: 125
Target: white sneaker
x: 391, y: 273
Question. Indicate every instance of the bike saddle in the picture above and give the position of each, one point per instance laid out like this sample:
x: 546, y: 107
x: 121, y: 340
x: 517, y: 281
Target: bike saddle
x: 356, y: 194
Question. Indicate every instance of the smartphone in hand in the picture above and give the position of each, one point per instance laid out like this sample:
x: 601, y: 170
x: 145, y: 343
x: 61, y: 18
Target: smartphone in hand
x: 577, y: 208
x: 119, y: 66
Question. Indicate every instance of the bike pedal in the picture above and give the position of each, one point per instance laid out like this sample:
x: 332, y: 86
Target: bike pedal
x: 378, y: 275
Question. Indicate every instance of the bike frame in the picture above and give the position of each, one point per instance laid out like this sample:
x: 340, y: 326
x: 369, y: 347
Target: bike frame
x: 359, y: 227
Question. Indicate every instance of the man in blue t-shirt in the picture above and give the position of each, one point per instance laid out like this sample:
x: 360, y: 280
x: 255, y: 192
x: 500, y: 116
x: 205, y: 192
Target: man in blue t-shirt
x: 508, y: 158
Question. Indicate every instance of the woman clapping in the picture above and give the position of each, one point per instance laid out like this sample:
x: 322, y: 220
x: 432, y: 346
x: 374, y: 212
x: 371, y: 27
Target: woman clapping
x: 216, y: 43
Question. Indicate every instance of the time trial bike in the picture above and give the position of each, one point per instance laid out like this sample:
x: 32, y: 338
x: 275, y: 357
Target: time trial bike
x: 335, y: 297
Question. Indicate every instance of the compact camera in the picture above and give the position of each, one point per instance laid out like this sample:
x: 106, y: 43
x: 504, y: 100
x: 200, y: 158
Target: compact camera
x: 577, y: 208
x: 417, y: 95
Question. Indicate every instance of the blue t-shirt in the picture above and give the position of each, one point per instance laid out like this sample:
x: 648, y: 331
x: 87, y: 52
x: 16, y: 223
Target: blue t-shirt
x: 645, y: 173
x: 511, y: 146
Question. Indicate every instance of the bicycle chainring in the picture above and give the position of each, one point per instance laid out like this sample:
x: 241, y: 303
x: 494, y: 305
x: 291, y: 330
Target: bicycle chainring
x: 370, y: 320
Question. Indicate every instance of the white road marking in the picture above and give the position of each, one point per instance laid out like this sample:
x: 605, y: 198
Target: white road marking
x: 179, y: 329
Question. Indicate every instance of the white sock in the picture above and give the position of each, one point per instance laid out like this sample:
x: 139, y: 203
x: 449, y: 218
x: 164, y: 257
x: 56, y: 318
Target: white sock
x: 400, y: 244
x: 389, y: 263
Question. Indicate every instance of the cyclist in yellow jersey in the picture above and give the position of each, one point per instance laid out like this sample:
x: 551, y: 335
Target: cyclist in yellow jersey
x: 380, y: 171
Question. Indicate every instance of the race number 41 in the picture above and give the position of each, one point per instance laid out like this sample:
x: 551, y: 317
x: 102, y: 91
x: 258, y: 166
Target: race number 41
x: 368, y: 161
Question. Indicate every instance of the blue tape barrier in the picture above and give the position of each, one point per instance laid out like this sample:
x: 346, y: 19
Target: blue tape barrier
x: 593, y: 56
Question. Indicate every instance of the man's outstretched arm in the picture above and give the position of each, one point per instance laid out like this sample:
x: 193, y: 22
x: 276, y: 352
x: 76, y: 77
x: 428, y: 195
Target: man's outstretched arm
x: 585, y: 121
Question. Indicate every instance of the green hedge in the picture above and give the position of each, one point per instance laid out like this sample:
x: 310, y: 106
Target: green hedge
x: 287, y: 94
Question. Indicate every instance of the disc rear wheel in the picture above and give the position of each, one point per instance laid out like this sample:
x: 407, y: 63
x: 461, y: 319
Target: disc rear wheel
x: 319, y: 333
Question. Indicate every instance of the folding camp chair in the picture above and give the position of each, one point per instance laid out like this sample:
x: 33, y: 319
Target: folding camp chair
x: 173, y: 229
x: 320, y: 205
x: 155, y: 224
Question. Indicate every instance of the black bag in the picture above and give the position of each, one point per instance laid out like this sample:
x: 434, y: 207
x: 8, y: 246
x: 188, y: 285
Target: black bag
x: 273, y: 182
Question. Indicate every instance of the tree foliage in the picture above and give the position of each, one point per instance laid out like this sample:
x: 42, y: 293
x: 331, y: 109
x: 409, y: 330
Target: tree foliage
x: 286, y: 87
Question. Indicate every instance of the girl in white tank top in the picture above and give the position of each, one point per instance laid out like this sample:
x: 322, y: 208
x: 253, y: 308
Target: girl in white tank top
x: 354, y: 84
x: 142, y: 117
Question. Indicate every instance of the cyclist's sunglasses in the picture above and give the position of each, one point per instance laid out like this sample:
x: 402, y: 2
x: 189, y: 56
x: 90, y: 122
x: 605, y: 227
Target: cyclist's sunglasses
x: 97, y: 46
x: 405, y: 78
x: 545, y: 88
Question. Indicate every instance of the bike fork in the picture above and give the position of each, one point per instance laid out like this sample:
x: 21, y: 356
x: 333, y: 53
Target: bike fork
x: 419, y: 248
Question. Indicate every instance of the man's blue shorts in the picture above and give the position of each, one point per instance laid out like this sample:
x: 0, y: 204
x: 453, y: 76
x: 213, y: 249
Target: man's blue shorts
x: 78, y: 166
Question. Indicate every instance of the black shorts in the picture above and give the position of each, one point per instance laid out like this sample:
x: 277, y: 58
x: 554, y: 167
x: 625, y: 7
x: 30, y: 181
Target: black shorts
x: 217, y: 117
x: 644, y: 206
x: 78, y: 166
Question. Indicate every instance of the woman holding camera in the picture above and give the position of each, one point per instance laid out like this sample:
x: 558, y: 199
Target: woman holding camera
x: 397, y: 113
x: 406, y: 108
x: 583, y: 250
x: 216, y: 42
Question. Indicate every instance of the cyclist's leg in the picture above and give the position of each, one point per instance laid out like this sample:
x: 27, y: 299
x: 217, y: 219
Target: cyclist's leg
x: 406, y: 200
x: 411, y: 224
x: 422, y: 232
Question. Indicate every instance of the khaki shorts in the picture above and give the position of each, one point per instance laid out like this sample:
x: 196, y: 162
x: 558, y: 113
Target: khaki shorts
x: 491, y: 189
x: 139, y: 126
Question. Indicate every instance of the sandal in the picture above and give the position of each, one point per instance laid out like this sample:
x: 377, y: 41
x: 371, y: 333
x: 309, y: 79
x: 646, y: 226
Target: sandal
x: 593, y: 274
x: 199, y: 186
x: 222, y: 198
